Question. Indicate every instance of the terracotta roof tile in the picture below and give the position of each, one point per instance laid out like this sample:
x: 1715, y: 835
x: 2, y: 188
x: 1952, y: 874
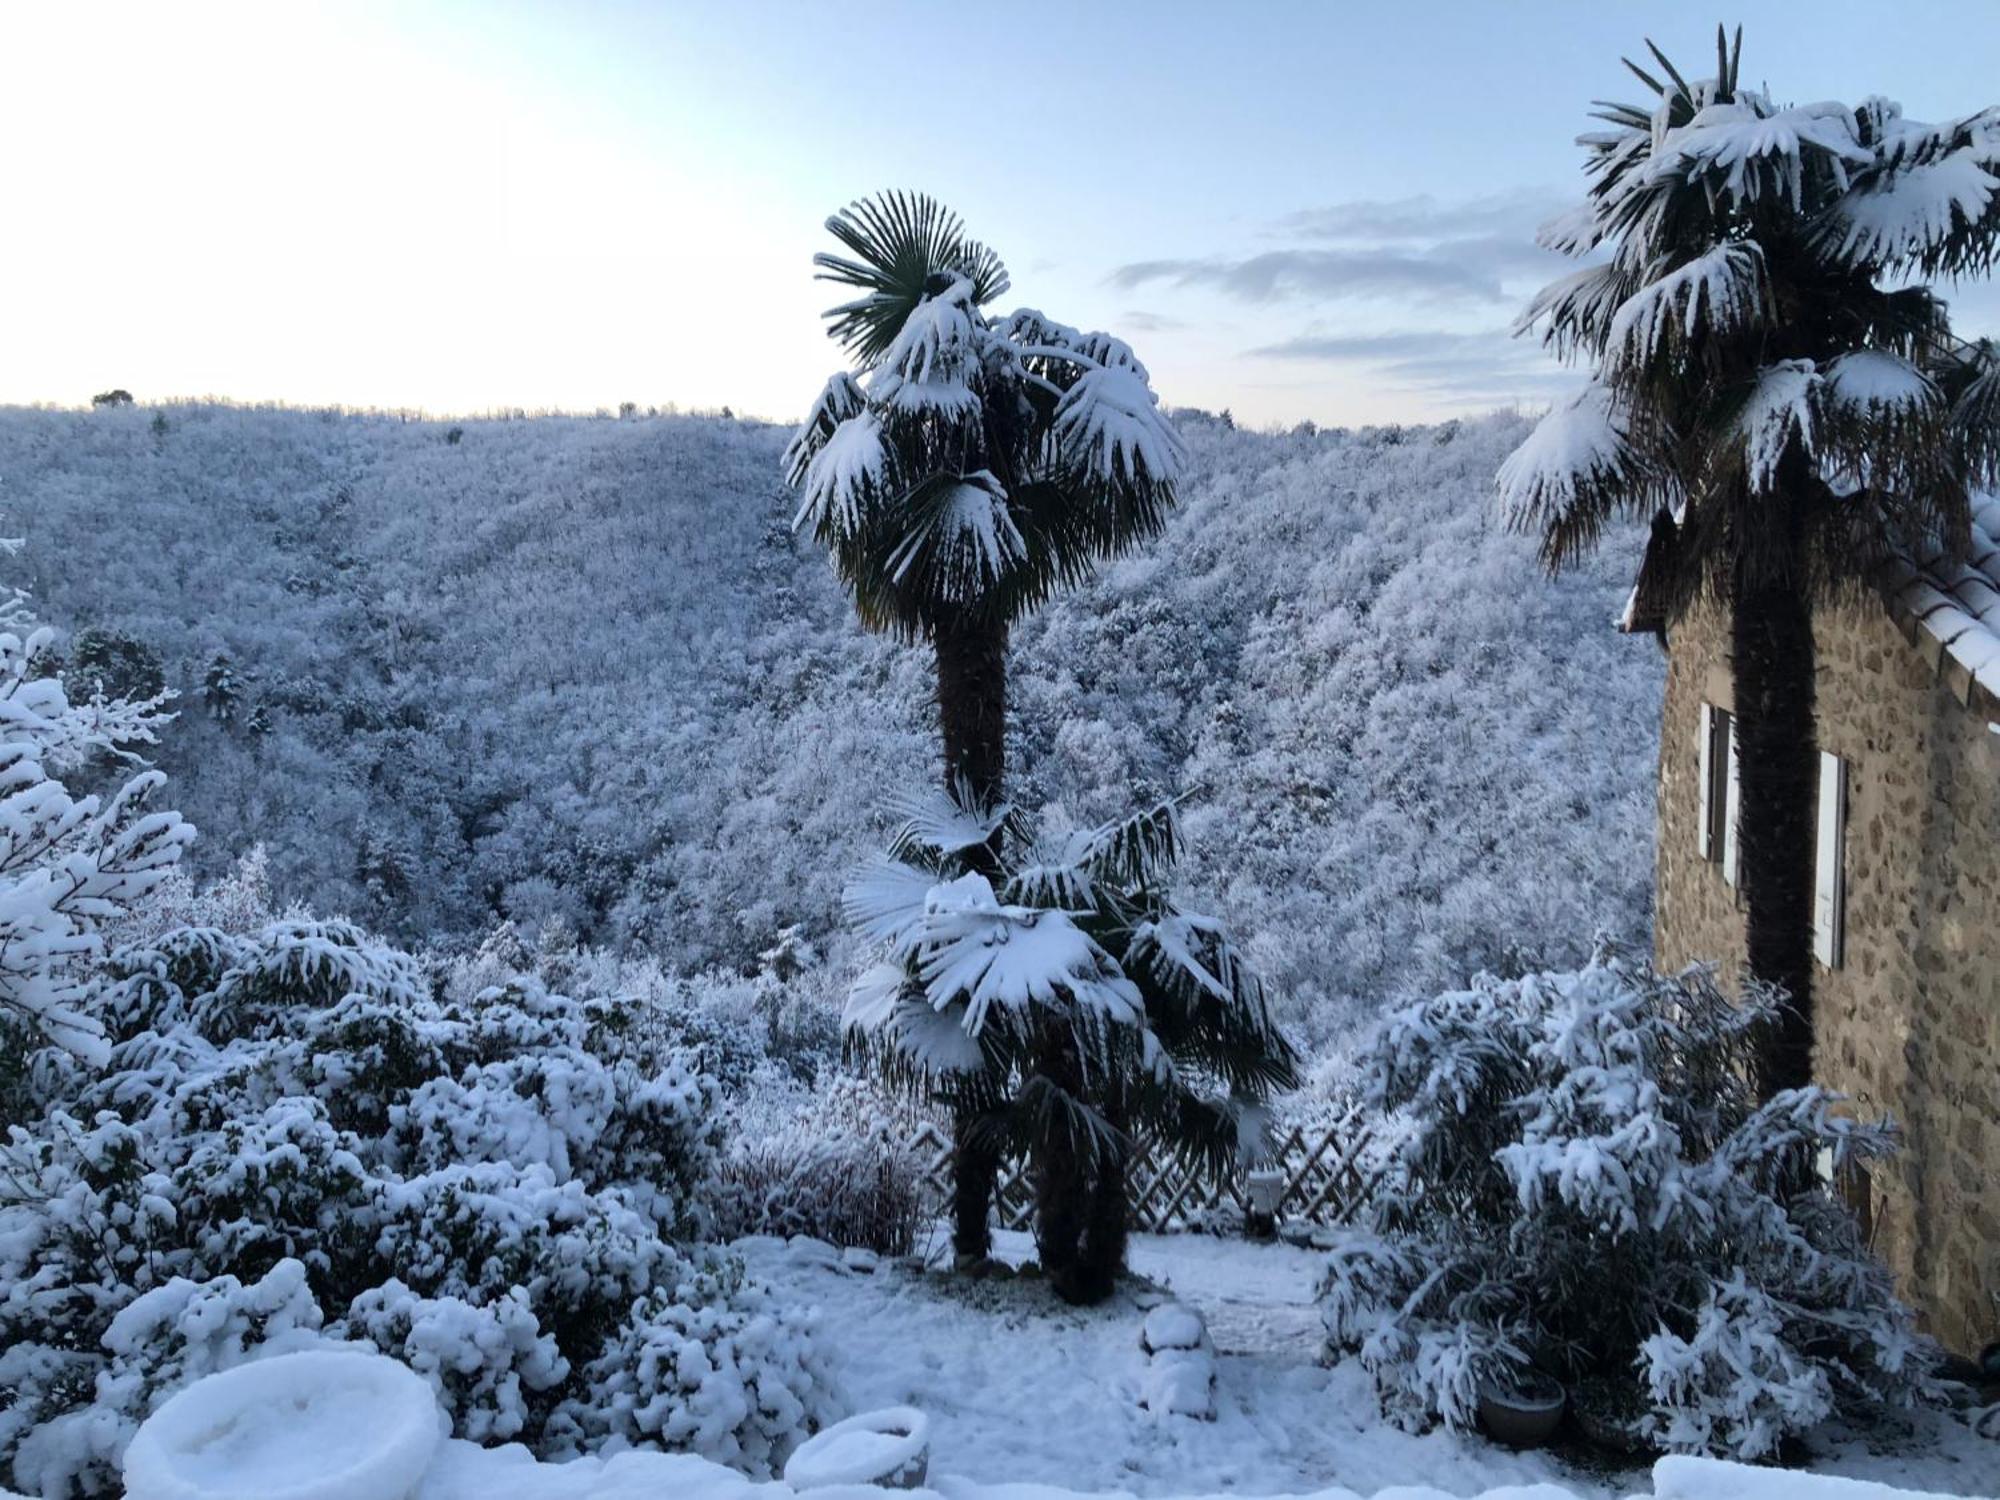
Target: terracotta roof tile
x: 1957, y: 603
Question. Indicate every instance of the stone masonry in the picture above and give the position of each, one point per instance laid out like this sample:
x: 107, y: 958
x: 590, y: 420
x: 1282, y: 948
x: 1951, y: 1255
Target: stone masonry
x: 1909, y: 1024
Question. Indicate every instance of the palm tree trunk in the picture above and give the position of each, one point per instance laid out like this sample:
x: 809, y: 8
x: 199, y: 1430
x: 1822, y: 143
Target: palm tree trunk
x: 972, y: 708
x: 1062, y: 1183
x: 1106, y: 1224
x: 975, y: 1174
x: 1777, y: 765
x: 972, y: 722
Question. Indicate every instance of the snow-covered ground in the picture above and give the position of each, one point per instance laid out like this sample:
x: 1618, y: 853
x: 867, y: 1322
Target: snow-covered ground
x: 1022, y: 1389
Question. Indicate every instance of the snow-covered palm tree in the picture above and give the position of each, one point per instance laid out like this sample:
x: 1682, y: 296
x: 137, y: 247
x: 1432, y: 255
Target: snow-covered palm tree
x: 964, y: 471
x: 1062, y: 999
x: 1773, y: 385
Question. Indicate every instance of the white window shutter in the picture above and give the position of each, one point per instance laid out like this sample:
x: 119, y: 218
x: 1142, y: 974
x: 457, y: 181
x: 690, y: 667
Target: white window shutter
x: 1829, y: 862
x: 1705, y: 773
x: 1730, y: 801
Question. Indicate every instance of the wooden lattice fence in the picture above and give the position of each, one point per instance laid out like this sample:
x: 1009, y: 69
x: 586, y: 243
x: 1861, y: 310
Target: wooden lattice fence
x: 1328, y: 1177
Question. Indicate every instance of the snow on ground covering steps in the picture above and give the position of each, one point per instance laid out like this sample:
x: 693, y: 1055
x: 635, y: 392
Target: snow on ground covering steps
x: 1022, y: 1390
x: 344, y: 1425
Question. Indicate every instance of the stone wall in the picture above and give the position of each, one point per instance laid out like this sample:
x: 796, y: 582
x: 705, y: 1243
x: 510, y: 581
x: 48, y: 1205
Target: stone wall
x: 1909, y: 1025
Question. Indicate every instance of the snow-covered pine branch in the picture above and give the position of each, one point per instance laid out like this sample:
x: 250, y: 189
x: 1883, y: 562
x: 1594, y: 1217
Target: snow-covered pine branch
x: 69, y: 864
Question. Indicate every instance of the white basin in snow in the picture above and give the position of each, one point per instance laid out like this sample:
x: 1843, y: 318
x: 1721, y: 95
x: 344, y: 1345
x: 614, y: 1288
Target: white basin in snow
x: 322, y: 1424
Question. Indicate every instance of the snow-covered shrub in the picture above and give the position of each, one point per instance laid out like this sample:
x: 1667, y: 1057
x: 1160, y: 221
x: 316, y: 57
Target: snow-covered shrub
x: 67, y: 864
x: 1588, y: 1187
x: 293, y: 1130
x: 160, y: 1341
x: 841, y: 1170
x: 711, y: 1363
x: 484, y: 1360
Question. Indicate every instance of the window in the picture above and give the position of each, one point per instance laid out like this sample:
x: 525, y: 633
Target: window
x: 1717, y: 835
x: 1830, y: 862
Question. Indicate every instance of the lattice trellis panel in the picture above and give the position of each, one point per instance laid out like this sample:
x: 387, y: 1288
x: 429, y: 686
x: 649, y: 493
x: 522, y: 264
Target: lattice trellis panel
x: 1327, y: 1179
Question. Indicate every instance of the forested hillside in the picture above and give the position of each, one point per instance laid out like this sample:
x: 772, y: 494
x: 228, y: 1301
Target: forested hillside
x: 580, y: 668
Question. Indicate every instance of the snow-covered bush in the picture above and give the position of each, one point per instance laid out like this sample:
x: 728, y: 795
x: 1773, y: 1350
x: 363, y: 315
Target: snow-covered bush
x: 67, y: 864
x: 1588, y: 1187
x: 292, y: 1132
x: 712, y: 1363
x: 840, y: 1170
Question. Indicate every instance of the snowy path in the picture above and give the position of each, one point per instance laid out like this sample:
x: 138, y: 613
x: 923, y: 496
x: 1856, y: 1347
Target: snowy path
x: 1021, y: 1388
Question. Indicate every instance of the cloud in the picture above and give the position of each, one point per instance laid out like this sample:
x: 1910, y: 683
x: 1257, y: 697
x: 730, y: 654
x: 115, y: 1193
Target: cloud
x: 1425, y: 219
x: 1277, y: 275
x: 1477, y: 368
x: 1149, y: 322
x: 1472, y: 253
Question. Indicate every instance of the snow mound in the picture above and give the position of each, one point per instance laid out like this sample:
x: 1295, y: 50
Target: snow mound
x: 1173, y: 1325
x: 322, y: 1424
x: 1684, y: 1478
x: 1179, y: 1378
x: 889, y: 1448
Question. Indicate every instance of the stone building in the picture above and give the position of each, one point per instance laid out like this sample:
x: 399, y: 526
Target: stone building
x: 1907, y: 897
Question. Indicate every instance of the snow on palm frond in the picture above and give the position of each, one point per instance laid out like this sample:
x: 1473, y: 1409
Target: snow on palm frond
x: 1056, y: 876
x: 845, y: 474
x: 1907, y: 215
x: 1721, y: 292
x: 1870, y: 381
x: 932, y: 824
x: 839, y: 399
x: 1574, y: 231
x: 928, y: 368
x: 1577, y: 467
x: 980, y: 953
x: 1141, y: 850
x: 1110, y: 426
x: 1746, y: 153
x: 888, y: 1011
x: 898, y: 244
x: 958, y: 539
x: 1191, y: 956
x: 885, y: 904
x: 1780, y: 411
x: 1578, y: 308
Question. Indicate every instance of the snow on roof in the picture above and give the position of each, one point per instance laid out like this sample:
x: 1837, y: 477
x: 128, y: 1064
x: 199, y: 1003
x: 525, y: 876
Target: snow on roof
x: 1951, y: 610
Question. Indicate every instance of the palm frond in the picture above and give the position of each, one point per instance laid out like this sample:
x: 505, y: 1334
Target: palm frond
x: 899, y: 243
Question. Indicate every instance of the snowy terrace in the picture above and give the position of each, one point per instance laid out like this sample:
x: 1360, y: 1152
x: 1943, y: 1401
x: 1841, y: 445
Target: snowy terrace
x: 1020, y: 1404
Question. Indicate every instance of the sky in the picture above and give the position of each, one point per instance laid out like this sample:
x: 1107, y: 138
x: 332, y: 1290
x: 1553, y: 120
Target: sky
x: 1293, y: 211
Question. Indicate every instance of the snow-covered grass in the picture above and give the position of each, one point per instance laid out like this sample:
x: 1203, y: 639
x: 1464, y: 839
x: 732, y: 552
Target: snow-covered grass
x: 1020, y: 1389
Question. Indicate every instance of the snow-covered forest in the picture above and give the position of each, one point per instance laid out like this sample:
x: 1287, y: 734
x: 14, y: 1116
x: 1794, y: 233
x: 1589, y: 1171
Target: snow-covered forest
x: 1007, y: 938
x: 580, y: 671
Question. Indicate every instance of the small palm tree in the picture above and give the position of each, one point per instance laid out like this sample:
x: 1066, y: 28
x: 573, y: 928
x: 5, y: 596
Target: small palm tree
x: 960, y: 475
x: 1061, y: 998
x: 1767, y: 385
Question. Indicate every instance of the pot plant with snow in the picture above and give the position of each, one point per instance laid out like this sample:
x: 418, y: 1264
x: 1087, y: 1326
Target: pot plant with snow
x: 1590, y: 1191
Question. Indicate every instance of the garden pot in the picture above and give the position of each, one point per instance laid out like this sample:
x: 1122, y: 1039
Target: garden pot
x: 1521, y: 1414
x: 888, y: 1448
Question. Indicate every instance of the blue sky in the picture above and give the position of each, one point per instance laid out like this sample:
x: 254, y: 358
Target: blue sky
x: 1294, y: 211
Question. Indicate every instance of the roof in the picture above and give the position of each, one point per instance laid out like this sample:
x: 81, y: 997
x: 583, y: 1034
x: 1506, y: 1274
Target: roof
x: 1950, y: 610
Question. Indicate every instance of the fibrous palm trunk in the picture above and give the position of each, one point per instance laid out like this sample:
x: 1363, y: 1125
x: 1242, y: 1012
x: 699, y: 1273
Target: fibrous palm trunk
x: 1777, y: 770
x: 972, y: 721
x: 1105, y: 1225
x: 1061, y: 1165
